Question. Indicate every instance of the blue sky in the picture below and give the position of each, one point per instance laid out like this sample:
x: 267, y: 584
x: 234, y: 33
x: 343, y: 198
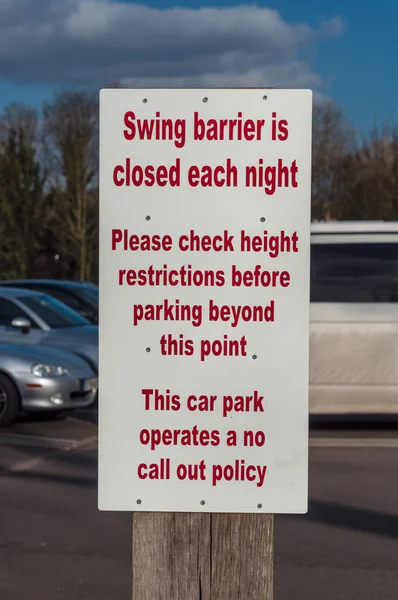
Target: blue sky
x: 344, y: 50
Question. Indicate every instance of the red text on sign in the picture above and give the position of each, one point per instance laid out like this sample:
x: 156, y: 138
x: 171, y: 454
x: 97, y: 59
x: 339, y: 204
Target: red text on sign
x: 272, y: 177
x: 192, y: 472
x: 144, y: 243
x: 154, y: 129
x: 259, y: 278
x: 251, y: 438
x: 224, y: 347
x: 135, y: 175
x: 273, y: 244
x: 193, y: 242
x: 168, y: 311
x: 175, y: 437
x: 208, y: 176
x: 239, y: 471
x: 184, y: 276
x: 279, y: 128
x: 201, y: 404
x: 154, y: 400
x: 245, y: 313
x: 252, y: 403
x: 159, y: 470
x: 227, y: 129
x: 170, y: 346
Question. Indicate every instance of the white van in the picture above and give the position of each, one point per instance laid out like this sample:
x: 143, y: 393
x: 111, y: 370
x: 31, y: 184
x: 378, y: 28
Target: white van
x: 354, y: 318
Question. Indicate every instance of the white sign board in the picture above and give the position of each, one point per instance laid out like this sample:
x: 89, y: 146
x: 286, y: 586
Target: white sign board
x: 204, y: 300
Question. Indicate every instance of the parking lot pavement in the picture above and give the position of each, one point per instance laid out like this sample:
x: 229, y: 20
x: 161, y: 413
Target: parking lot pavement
x: 55, y: 544
x: 28, y: 441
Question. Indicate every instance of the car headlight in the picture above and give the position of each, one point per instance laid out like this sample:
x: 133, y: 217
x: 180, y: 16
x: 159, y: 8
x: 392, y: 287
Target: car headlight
x: 45, y: 370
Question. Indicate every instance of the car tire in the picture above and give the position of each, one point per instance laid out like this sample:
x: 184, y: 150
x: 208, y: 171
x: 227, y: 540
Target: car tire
x: 9, y: 401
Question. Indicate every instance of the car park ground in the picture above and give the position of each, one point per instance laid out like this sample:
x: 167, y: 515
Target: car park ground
x: 55, y: 544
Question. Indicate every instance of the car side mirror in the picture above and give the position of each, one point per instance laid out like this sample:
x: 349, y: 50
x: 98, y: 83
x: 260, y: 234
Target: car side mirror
x: 21, y: 323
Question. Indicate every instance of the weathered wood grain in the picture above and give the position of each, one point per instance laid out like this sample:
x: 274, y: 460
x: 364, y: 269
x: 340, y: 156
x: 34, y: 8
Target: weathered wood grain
x: 242, y: 557
x: 199, y: 556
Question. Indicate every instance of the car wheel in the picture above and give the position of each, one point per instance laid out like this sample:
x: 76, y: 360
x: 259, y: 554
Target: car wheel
x: 9, y: 401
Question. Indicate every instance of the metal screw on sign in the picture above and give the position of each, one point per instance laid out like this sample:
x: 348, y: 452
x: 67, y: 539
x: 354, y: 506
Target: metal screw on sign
x: 148, y: 349
x: 259, y: 505
x: 138, y: 501
x: 202, y: 502
x: 148, y: 218
x: 262, y: 219
x: 144, y: 100
x: 265, y: 97
x: 254, y: 356
x: 205, y: 99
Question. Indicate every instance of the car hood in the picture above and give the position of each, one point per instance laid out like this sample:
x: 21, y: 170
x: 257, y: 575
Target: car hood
x: 15, y: 354
x: 80, y: 340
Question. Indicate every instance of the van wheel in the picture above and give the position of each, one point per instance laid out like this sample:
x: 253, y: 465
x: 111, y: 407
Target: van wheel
x: 9, y: 401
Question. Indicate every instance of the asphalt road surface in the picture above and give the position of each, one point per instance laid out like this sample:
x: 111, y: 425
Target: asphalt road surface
x: 55, y: 545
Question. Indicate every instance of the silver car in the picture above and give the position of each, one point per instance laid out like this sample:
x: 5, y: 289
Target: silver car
x: 33, y: 318
x: 36, y: 379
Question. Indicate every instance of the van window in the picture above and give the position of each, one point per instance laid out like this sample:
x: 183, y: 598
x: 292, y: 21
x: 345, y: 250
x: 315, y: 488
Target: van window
x: 349, y: 272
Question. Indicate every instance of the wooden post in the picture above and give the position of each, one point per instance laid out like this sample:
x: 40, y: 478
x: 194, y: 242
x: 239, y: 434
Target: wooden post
x: 202, y: 556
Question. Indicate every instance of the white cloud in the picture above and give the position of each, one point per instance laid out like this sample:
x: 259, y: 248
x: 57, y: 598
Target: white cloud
x: 92, y: 41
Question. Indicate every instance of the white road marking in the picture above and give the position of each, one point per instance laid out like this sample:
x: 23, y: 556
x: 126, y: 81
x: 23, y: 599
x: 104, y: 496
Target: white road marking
x: 353, y: 442
x: 59, y: 446
x: 39, y: 441
x: 20, y: 439
x: 89, y: 442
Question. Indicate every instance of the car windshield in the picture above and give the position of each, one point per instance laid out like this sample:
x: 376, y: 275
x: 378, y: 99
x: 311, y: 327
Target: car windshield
x: 54, y: 313
x: 90, y: 295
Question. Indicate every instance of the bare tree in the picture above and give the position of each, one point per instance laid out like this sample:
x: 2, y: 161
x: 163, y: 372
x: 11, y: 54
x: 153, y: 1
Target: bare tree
x: 332, y: 142
x: 21, y: 191
x: 19, y: 117
x: 71, y: 134
x: 370, y: 183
